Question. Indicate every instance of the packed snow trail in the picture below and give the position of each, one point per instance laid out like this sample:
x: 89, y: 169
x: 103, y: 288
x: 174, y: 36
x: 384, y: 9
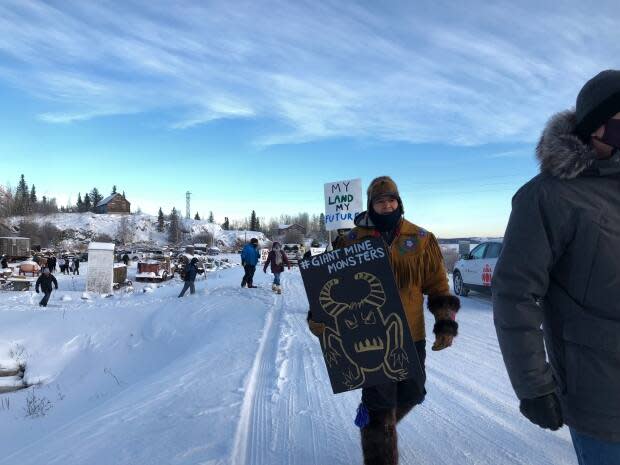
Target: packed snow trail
x: 233, y: 376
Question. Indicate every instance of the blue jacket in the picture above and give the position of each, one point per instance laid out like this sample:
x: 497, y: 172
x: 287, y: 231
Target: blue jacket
x: 250, y: 255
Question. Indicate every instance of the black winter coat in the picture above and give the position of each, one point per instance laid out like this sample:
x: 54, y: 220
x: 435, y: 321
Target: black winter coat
x: 45, y: 283
x: 560, y: 270
x: 191, y: 270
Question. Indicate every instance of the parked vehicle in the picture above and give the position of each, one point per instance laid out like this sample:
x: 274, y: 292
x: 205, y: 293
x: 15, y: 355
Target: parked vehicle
x: 474, y: 271
x: 155, y: 269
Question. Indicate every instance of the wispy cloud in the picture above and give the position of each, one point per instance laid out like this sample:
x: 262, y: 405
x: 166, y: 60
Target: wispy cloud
x: 429, y: 72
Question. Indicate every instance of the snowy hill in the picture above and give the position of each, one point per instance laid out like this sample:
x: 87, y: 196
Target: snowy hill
x: 233, y: 376
x: 142, y: 228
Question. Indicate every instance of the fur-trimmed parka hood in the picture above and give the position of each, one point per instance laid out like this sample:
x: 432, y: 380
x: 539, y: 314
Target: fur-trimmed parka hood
x: 560, y: 152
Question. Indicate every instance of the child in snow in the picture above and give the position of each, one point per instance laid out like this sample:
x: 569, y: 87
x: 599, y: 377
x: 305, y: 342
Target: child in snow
x: 45, y: 282
x: 277, y: 258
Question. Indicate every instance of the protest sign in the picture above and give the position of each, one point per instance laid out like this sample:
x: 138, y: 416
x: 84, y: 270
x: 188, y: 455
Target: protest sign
x: 367, y: 340
x: 343, y: 201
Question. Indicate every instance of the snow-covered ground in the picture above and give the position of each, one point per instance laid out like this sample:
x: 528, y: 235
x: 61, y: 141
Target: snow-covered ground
x: 232, y: 376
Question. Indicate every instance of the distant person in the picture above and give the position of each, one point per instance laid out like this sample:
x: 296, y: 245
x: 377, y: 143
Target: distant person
x: 277, y: 259
x: 61, y: 265
x: 249, y: 259
x: 76, y: 266
x: 556, y: 294
x: 189, y: 276
x: 52, y: 264
x: 45, y: 282
x: 126, y: 259
x: 4, y: 263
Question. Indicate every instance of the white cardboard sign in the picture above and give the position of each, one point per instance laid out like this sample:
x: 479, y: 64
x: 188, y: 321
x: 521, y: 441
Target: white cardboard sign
x: 343, y: 201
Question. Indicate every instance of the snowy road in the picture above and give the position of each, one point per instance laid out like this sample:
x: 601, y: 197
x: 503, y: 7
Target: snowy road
x: 232, y: 376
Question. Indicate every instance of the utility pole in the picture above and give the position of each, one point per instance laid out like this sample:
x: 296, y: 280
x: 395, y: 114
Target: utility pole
x: 187, y: 208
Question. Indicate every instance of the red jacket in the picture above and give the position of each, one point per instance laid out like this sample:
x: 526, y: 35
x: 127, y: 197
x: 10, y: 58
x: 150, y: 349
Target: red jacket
x: 271, y: 258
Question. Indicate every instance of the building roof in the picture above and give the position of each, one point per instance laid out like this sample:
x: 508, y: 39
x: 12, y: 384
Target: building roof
x: 108, y: 199
x: 287, y: 226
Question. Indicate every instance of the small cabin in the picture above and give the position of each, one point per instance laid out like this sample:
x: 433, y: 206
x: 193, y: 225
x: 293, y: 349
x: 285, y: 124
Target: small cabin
x: 286, y: 228
x: 114, y: 203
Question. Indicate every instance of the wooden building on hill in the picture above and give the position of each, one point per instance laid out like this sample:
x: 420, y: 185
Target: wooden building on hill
x: 114, y: 203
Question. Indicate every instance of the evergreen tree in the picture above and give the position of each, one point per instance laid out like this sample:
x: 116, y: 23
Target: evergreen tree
x: 197, y: 217
x: 114, y: 189
x: 211, y: 219
x: 124, y: 194
x: 33, y: 196
x: 253, y: 221
x: 95, y: 197
x: 22, y: 197
x: 322, y: 230
x: 226, y: 224
x: 174, y: 231
x: 87, y: 203
x: 257, y: 225
x: 160, y: 220
x: 79, y: 204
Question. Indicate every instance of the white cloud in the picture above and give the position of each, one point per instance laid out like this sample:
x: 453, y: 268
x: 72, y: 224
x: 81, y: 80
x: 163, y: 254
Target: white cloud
x: 439, y: 73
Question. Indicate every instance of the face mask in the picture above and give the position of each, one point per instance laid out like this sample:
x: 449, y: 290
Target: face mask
x: 612, y: 133
x: 387, y: 221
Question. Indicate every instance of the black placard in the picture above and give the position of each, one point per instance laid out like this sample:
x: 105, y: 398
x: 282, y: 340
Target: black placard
x: 367, y: 340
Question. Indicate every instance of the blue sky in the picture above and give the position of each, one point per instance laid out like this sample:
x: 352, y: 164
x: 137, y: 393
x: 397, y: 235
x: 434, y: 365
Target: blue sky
x: 254, y: 105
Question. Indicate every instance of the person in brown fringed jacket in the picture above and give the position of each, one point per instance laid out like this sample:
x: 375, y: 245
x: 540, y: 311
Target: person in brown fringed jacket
x: 419, y: 270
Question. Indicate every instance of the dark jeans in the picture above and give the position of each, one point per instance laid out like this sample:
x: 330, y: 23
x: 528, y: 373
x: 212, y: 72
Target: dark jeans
x: 391, y: 395
x: 46, y: 298
x: 248, y: 277
x: 592, y: 451
x: 188, y: 285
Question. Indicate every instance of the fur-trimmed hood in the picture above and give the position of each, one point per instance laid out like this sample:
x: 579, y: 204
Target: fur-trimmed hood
x: 560, y: 152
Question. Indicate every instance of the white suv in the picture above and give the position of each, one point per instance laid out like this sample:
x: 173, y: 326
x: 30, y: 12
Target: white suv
x: 474, y: 271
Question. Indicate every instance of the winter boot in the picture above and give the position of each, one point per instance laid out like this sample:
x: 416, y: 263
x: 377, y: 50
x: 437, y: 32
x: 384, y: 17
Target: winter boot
x: 379, y: 440
x: 274, y: 288
x: 279, y: 290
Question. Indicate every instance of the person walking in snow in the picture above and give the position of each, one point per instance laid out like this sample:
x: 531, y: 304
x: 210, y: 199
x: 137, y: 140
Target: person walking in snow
x: 126, y: 259
x: 558, y: 270
x: 191, y: 270
x: 249, y: 259
x: 4, y: 263
x: 76, y: 266
x: 44, y: 283
x: 52, y: 264
x: 277, y: 259
x: 61, y: 265
x: 418, y: 267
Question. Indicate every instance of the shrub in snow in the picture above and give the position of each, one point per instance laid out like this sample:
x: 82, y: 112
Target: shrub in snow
x: 36, y: 406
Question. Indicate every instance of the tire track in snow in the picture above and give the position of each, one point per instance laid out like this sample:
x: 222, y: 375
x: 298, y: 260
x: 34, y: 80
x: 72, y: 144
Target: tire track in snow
x: 251, y: 429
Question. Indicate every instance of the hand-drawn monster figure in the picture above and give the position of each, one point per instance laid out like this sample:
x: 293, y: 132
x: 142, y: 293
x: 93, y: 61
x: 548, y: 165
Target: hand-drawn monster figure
x: 374, y: 341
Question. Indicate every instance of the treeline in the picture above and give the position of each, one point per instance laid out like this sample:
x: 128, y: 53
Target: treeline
x: 313, y: 224
x: 23, y: 200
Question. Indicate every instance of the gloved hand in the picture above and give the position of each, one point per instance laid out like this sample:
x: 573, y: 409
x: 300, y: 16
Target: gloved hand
x: 544, y: 411
x: 315, y: 327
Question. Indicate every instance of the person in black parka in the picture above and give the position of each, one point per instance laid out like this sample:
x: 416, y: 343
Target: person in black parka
x: 556, y: 286
x: 191, y: 270
x: 44, y: 283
